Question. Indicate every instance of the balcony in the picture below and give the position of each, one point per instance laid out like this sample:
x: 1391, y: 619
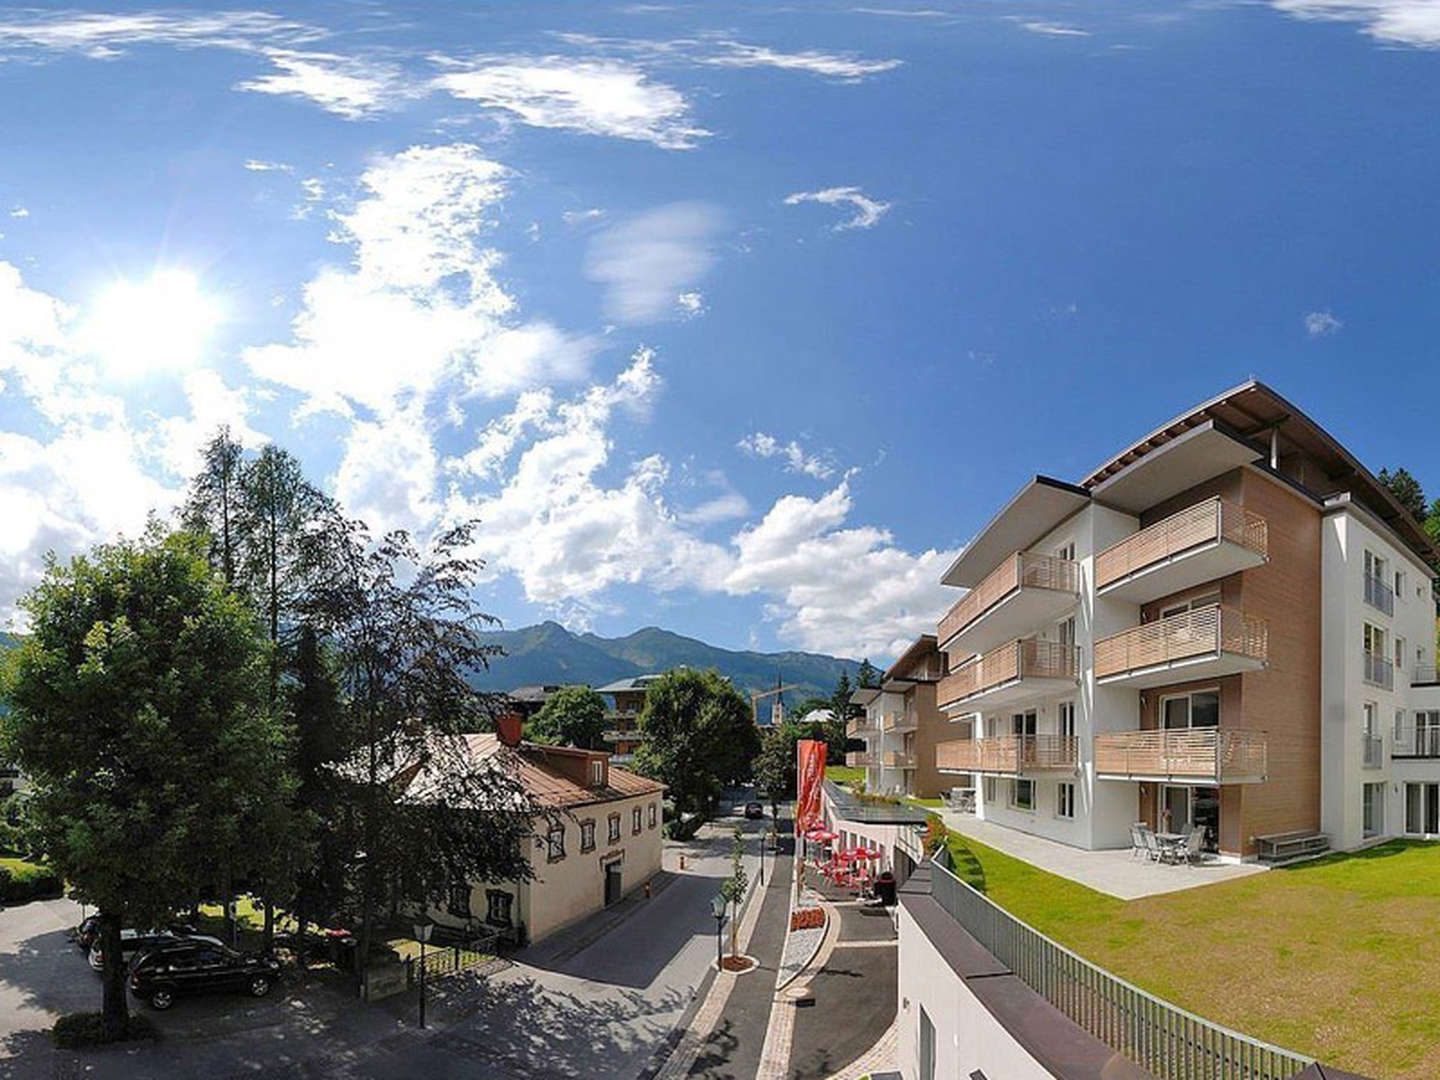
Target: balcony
x: 1373, y: 751
x: 861, y: 759
x: 622, y: 735
x: 1206, y: 541
x: 1008, y: 754
x: 1203, y: 643
x: 1379, y: 595
x: 860, y: 726
x: 1193, y: 755
x: 897, y: 759
x: 1414, y: 740
x: 897, y: 722
x: 1025, y: 591
x: 1378, y: 671
x: 1016, y: 671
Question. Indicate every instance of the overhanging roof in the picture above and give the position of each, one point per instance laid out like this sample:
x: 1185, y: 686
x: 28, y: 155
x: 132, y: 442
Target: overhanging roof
x: 917, y: 650
x: 1175, y: 465
x: 1038, y: 507
x: 1252, y: 411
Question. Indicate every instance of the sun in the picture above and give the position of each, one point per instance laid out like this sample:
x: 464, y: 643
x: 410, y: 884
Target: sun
x: 161, y: 323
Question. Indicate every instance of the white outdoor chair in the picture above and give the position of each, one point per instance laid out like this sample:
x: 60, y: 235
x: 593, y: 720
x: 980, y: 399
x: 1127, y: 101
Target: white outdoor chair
x: 1153, y: 851
x: 1137, y: 839
x: 1192, y: 852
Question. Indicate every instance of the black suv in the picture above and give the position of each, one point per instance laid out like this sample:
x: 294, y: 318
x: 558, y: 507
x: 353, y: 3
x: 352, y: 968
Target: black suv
x: 164, y: 973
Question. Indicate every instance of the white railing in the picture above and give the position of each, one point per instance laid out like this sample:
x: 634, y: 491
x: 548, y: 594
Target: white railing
x: 1416, y: 740
x: 1170, y: 1042
x: 1379, y: 595
x: 1379, y: 671
x: 1374, y: 747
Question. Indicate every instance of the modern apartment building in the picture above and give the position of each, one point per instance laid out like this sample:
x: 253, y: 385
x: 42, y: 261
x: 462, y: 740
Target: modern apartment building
x: 901, y: 726
x: 622, y: 722
x: 1228, y: 624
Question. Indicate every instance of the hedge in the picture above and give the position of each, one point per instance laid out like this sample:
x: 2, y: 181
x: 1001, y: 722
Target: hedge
x: 21, y: 881
x: 77, y: 1030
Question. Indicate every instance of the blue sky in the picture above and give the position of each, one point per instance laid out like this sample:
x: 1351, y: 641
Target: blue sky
x: 732, y: 318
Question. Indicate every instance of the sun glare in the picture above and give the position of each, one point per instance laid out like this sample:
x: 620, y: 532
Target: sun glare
x: 161, y: 323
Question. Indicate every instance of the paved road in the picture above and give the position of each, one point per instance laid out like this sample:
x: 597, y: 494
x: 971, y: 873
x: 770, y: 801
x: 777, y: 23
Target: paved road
x: 597, y: 1003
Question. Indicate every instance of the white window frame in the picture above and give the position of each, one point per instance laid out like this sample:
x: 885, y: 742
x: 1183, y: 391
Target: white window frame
x: 1061, y: 810
x: 1065, y: 719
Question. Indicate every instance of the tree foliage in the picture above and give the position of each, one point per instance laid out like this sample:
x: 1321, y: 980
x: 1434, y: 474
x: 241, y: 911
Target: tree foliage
x: 699, y: 737
x: 1407, y: 491
x: 775, y: 764
x: 138, y: 710
x: 868, y: 675
x: 572, y: 716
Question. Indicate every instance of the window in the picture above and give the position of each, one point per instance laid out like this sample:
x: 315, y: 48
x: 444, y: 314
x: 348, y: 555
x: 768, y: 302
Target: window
x: 1399, y: 582
x: 1065, y: 801
x: 989, y: 789
x: 1065, y: 631
x: 1208, y: 600
x: 1066, y: 551
x: 614, y: 827
x: 1023, y: 723
x: 654, y: 814
x: 1399, y: 654
x: 1372, y: 809
x: 498, y: 911
x: 1022, y: 794
x: 597, y: 773
x: 1067, y: 719
x: 635, y: 820
x: 1200, y: 709
x: 1378, y: 670
x: 1377, y: 584
x: 458, y: 901
x: 587, y: 835
x: 927, y: 1046
x: 556, y: 843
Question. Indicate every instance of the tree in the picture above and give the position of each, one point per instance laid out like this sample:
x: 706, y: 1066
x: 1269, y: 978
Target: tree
x: 867, y: 677
x: 137, y: 708
x: 214, y: 500
x: 1407, y: 492
x: 405, y: 633
x: 775, y: 765
x: 572, y: 716
x: 698, y: 737
x: 733, y: 888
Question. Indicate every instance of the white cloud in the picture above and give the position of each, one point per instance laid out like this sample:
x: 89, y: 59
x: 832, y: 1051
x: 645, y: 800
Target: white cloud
x: 905, y: 13
x: 840, y: 590
x: 1050, y: 29
x: 1398, y: 22
x: 1322, y: 324
x: 388, y: 472
x: 831, y: 65
x: 692, y: 304
x: 867, y: 211
x: 352, y: 87
x: 19, y: 212
x: 421, y: 286
x: 577, y: 217
x: 256, y: 165
x: 727, y: 507
x: 105, y: 36
x: 796, y: 460
x: 646, y: 262
x: 179, y: 441
x: 595, y: 97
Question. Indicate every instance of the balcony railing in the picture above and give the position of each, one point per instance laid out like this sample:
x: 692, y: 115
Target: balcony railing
x: 1008, y: 754
x: 861, y: 725
x: 1023, y: 570
x: 898, y: 721
x: 1024, y: 658
x: 860, y: 759
x: 1216, y: 755
x: 1212, y: 630
x: 1379, y: 671
x: 1415, y: 740
x: 897, y: 759
x: 1207, y: 522
x: 1423, y: 673
x: 1373, y: 748
x: 1378, y: 594
x: 622, y: 735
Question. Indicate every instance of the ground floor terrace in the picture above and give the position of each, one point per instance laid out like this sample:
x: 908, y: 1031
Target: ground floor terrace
x: 1332, y: 958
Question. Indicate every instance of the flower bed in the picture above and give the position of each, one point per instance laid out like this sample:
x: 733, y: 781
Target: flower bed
x: 807, y: 919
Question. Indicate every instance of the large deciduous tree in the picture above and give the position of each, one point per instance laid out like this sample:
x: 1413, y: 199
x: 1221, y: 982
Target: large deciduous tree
x: 699, y: 737
x: 137, y: 707
x: 572, y: 716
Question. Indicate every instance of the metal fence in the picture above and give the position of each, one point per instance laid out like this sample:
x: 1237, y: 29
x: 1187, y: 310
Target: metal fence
x: 444, y: 960
x: 850, y: 808
x: 1168, y: 1041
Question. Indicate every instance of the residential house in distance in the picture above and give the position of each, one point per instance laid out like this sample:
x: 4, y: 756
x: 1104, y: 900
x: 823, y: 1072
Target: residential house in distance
x: 597, y: 839
x: 529, y: 700
x: 1229, y: 624
x: 901, y: 726
x: 622, y: 722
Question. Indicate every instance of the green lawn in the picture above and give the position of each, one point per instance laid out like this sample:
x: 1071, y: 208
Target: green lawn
x: 844, y: 774
x: 1336, y: 957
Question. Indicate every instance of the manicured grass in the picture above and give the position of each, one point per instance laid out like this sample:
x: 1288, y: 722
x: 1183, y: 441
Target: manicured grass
x: 844, y: 774
x: 929, y: 804
x: 1336, y: 957
x: 21, y: 881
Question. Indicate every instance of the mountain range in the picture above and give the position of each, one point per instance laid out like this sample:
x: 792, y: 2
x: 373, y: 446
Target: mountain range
x: 549, y: 653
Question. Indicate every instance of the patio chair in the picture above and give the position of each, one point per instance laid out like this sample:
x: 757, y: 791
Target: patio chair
x: 1191, y: 851
x: 1137, y: 839
x: 1153, y: 849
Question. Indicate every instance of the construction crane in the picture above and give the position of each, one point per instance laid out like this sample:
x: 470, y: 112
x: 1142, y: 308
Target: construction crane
x: 756, y: 695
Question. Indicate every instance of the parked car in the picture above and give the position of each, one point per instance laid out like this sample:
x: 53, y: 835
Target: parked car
x: 754, y: 810
x: 194, y: 966
x: 88, y: 932
x: 135, y: 941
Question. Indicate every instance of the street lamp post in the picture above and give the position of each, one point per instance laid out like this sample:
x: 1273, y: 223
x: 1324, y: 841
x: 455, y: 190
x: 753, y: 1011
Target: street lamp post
x: 717, y: 908
x: 423, y: 929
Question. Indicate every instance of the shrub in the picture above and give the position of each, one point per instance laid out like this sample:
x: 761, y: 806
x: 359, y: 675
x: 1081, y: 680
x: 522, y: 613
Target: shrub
x: 77, y: 1030
x: 21, y: 881
x: 936, y: 833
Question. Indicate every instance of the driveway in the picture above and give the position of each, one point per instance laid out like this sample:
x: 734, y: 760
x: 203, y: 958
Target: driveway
x: 600, y: 1000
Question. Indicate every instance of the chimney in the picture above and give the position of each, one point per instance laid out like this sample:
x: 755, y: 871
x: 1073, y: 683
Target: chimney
x: 508, y: 728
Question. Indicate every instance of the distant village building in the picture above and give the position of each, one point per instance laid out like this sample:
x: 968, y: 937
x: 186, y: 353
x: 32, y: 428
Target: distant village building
x: 622, y: 722
x: 597, y: 840
x: 529, y: 700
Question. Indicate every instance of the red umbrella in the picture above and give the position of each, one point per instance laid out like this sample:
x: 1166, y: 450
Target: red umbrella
x: 869, y: 853
x: 822, y: 836
x: 845, y: 856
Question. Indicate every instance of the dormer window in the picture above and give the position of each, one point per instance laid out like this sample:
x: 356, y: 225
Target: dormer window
x: 597, y: 774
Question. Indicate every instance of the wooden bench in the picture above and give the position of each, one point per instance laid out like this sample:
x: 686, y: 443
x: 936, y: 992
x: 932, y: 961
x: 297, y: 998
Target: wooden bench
x: 1287, y: 846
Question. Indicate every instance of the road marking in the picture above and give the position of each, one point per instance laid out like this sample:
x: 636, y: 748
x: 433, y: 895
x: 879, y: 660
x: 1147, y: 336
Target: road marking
x: 867, y: 944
